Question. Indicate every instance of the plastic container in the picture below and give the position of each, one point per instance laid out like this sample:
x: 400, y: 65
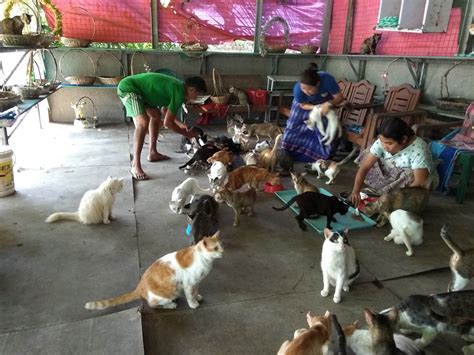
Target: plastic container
x: 257, y: 96
x: 7, y: 185
x: 269, y: 188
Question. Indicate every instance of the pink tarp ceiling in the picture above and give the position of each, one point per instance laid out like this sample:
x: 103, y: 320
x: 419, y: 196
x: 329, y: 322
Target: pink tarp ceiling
x: 212, y: 22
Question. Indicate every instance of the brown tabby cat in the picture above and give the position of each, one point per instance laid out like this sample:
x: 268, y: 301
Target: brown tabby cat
x: 381, y: 331
x: 14, y: 25
x: 250, y: 175
x: 314, y: 340
x: 301, y: 184
x: 240, y: 202
x: 173, y: 273
x: 461, y: 263
x: 268, y: 157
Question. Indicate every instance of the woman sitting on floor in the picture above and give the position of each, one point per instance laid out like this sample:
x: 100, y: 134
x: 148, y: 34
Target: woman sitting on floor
x: 397, y: 159
x: 314, y: 88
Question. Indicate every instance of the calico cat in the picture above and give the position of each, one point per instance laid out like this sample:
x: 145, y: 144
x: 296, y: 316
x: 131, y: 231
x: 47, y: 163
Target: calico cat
x: 169, y: 276
x: 202, y: 217
x: 381, y: 332
x: 95, y: 206
x: 333, y: 128
x: 258, y: 130
x: 14, y: 25
x: 241, y: 95
x: 181, y: 193
x: 301, y: 184
x: 314, y: 340
x: 461, y: 263
x: 407, y: 228
x: 238, y: 201
x: 450, y: 313
x: 339, y: 264
x: 232, y: 122
x: 268, y: 158
x: 411, y: 199
x: 224, y: 156
x: 250, y: 175
x: 201, y: 155
x: 329, y: 168
x: 369, y: 45
x: 312, y: 204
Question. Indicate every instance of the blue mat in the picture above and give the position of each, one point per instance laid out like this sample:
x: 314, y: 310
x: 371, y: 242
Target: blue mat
x: 318, y: 224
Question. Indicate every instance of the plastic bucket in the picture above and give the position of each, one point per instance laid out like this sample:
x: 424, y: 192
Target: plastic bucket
x: 7, y: 185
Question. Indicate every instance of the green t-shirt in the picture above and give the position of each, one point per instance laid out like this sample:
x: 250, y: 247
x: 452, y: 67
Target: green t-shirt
x: 156, y: 89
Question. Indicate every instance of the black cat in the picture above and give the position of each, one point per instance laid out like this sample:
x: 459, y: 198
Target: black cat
x: 186, y: 143
x: 313, y: 204
x: 201, y: 155
x: 225, y: 142
x: 202, y: 217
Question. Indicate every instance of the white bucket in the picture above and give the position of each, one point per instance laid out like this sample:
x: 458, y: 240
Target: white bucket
x: 7, y: 185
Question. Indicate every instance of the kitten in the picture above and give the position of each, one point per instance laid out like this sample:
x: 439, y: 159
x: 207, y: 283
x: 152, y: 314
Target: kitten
x: 95, y: 206
x: 238, y: 201
x: 232, y: 122
x: 339, y: 264
x: 217, y: 174
x: 224, y: 156
x: 169, y: 276
x: 329, y: 168
x: 268, y: 157
x: 461, y: 263
x: 314, y: 340
x: 258, y: 130
x: 333, y: 128
x: 201, y: 155
x: 203, y: 218
x: 261, y: 146
x: 449, y: 313
x: 407, y: 228
x: 14, y: 25
x: 369, y: 45
x: 381, y: 332
x: 251, y: 158
x: 411, y: 199
x: 312, y: 204
x: 250, y: 175
x: 301, y: 184
x: 241, y: 95
x: 179, y: 197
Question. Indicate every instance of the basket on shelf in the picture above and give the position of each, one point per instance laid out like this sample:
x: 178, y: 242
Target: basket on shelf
x: 78, y: 79
x: 192, y: 47
x: 78, y: 42
x: 219, y: 95
x: 451, y: 103
x: 28, y: 92
x: 308, y: 49
x: 146, y: 66
x: 110, y: 80
x: 8, y: 99
x: 83, y: 119
x: 265, y: 46
x: 47, y: 85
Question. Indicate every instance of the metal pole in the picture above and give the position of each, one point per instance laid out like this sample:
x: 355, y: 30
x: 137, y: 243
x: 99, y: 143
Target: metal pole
x: 258, y: 26
x: 323, y: 46
x: 154, y: 24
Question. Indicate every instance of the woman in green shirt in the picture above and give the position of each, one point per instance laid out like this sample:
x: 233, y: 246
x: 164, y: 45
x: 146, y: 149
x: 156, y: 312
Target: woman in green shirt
x: 143, y: 95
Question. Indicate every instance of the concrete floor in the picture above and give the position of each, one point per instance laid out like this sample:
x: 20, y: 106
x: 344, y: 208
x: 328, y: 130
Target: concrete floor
x: 254, y: 297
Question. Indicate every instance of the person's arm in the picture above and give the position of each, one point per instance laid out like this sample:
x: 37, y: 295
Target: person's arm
x: 336, y: 100
x: 170, y: 122
x: 421, y: 175
x: 364, y: 168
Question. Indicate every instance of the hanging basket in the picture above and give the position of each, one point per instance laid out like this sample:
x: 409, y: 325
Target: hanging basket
x: 265, y: 46
x: 79, y: 42
x: 146, y: 66
x: 82, y: 118
x: 77, y: 79
x: 451, y: 103
x: 219, y: 95
x: 110, y: 80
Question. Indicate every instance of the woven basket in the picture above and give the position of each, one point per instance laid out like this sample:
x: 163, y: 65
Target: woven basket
x: 266, y: 47
x: 28, y: 92
x: 219, y: 95
x: 146, y: 66
x: 447, y: 102
x: 83, y: 119
x: 76, y: 79
x: 110, y: 80
x: 78, y: 42
x: 308, y: 49
x: 22, y: 40
x: 48, y: 85
x: 8, y: 99
x: 194, y: 48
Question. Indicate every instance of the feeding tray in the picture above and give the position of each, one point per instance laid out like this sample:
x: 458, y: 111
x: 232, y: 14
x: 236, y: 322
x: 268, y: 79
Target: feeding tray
x: 270, y: 189
x: 453, y: 103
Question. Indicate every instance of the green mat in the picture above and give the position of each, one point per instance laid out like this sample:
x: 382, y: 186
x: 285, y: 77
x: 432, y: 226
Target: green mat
x: 318, y: 224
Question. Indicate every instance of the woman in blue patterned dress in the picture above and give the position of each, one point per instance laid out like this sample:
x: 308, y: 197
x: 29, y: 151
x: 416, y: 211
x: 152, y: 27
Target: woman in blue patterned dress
x: 314, y: 88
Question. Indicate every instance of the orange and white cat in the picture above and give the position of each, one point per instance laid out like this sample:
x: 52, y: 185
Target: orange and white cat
x: 250, y: 175
x: 169, y: 276
x: 314, y: 340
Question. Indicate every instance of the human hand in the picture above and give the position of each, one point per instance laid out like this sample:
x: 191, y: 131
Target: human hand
x: 307, y: 106
x: 324, y: 108
x: 189, y: 133
x: 355, y: 198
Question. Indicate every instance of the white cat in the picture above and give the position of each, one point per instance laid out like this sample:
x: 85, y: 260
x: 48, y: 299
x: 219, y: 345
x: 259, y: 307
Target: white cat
x: 329, y: 168
x: 95, y: 206
x: 179, y: 197
x: 217, y: 174
x: 338, y: 263
x: 261, y: 146
x: 407, y: 228
x: 333, y: 128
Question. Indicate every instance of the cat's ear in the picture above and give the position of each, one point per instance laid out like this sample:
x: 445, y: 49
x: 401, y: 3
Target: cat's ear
x: 327, y: 233
x: 204, y: 241
x: 120, y: 179
x: 393, y: 315
x: 369, y: 317
x: 216, y: 235
x: 188, y: 205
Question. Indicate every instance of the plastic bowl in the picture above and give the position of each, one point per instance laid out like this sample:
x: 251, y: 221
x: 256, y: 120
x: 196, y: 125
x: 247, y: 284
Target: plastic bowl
x: 269, y: 188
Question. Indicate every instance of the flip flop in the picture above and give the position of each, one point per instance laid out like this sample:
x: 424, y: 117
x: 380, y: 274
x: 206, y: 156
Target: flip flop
x: 139, y: 177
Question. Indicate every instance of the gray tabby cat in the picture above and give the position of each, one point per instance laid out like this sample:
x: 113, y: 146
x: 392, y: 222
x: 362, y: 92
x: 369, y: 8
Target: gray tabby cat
x: 239, y: 201
x: 450, y: 313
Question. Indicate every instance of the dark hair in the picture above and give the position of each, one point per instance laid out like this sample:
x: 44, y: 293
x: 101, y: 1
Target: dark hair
x: 310, y: 76
x: 395, y: 128
x: 196, y: 82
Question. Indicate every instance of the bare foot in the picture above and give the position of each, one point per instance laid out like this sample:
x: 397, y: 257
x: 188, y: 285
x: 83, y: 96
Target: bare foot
x: 138, y: 174
x: 157, y: 157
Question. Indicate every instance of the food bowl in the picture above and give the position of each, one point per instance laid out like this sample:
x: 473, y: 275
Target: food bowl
x: 269, y: 188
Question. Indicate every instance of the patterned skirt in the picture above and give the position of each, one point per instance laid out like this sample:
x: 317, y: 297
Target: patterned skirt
x: 303, y: 143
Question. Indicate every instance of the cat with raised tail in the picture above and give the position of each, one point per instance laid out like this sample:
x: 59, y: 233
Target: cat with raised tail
x: 407, y: 228
x: 267, y: 158
x: 461, y: 263
x: 329, y: 168
x: 339, y: 264
x: 95, y: 206
x: 172, y: 274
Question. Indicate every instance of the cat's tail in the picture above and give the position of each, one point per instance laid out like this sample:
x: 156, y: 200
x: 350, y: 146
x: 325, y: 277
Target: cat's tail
x: 128, y: 297
x: 452, y: 245
x: 71, y: 216
x: 288, y: 204
x: 201, y: 189
x: 346, y: 159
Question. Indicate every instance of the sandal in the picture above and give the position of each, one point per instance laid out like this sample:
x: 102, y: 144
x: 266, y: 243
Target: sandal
x: 139, y: 177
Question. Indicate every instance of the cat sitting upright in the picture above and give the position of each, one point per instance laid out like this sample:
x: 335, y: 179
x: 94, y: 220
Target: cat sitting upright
x: 301, y: 184
x: 95, y: 206
x: 15, y: 25
x: 407, y: 228
x: 169, y: 276
x: 461, y: 263
x: 181, y: 193
x: 338, y: 262
x: 369, y: 45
